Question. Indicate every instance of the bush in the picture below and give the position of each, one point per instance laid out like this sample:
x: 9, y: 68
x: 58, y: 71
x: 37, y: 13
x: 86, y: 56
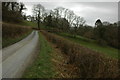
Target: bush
x: 91, y: 64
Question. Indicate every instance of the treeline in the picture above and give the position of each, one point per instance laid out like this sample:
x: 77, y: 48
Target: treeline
x: 104, y: 33
x: 59, y: 18
x: 12, y: 12
x: 12, y: 18
x: 64, y: 20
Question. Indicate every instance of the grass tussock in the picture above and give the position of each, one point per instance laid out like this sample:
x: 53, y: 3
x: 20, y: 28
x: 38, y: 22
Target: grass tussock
x: 91, y: 64
x: 12, y: 33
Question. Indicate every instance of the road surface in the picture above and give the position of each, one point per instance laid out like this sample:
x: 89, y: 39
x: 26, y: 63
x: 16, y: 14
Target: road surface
x: 16, y: 57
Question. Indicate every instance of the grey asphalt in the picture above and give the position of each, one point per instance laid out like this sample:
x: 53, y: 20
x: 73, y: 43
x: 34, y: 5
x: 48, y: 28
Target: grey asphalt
x: 16, y: 57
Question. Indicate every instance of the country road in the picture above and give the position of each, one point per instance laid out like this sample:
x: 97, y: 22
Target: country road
x: 16, y: 57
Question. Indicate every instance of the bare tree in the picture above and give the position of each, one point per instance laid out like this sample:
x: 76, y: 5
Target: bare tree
x: 65, y: 12
x: 38, y: 11
x: 56, y: 13
x: 70, y: 17
x: 106, y: 23
x: 21, y: 7
x: 45, y: 14
x: 79, y: 21
x: 13, y: 5
x: 61, y: 11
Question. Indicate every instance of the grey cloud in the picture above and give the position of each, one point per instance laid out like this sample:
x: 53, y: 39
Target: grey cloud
x: 106, y: 11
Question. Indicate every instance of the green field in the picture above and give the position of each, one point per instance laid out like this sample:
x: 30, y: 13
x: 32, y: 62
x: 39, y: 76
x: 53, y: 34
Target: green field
x: 29, y: 23
x: 107, y: 50
x: 42, y: 67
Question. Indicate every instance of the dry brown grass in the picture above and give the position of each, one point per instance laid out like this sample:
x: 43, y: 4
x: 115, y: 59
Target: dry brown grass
x: 90, y: 64
x: 12, y: 30
x: 12, y: 33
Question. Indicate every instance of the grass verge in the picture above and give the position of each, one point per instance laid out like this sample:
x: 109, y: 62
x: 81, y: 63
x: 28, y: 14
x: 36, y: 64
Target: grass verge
x: 112, y: 52
x: 42, y: 66
x: 89, y: 63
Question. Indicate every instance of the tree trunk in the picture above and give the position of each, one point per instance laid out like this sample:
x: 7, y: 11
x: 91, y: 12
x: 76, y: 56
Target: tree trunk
x: 38, y: 24
x: 39, y: 20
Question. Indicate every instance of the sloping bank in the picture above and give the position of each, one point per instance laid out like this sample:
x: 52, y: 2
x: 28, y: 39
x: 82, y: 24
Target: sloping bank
x: 90, y: 64
x: 12, y: 33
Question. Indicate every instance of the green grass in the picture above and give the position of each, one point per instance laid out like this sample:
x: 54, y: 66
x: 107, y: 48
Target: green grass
x: 42, y: 66
x: 33, y: 24
x: 29, y: 23
x: 107, y: 50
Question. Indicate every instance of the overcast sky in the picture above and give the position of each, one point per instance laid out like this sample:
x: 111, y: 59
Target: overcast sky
x: 91, y: 11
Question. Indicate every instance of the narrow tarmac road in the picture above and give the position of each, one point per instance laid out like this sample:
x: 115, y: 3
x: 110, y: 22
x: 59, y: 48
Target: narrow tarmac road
x: 16, y: 57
